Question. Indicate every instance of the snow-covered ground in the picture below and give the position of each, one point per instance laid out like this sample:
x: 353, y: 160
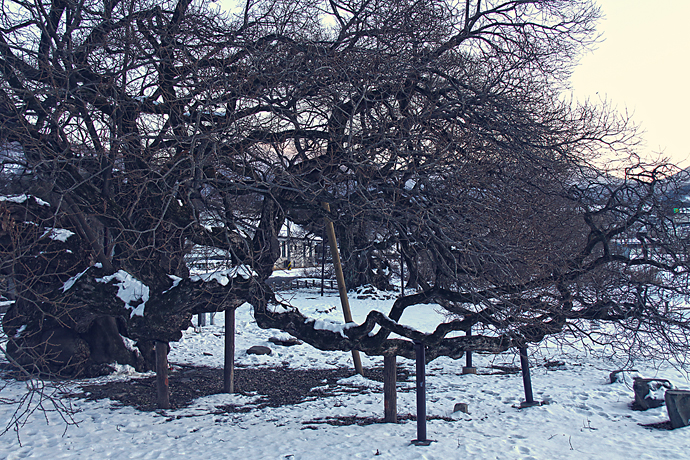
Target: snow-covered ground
x: 585, y: 418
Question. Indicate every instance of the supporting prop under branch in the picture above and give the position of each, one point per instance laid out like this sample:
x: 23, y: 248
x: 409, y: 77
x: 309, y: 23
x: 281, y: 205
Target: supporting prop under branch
x: 527, y: 381
x: 229, y: 365
x: 342, y: 290
x: 421, y: 396
x: 469, y: 368
x: 390, y: 398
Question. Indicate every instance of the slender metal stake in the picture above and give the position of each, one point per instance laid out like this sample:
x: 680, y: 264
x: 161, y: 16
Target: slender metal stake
x: 342, y: 290
x: 468, y: 354
x: 289, y: 252
x: 229, y: 368
x: 526, y: 380
x: 402, y: 271
x: 162, y: 388
x: 421, y: 394
x: 323, y: 259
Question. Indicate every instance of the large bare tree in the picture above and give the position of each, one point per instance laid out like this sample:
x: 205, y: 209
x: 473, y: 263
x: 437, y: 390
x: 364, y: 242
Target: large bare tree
x: 157, y: 132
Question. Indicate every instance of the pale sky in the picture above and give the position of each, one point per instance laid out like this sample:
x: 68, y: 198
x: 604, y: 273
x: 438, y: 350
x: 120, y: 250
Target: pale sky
x: 643, y: 65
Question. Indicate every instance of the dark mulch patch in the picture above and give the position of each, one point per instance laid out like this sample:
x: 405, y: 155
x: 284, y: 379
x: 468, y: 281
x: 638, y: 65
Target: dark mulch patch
x: 275, y: 386
x: 658, y: 426
x: 376, y: 373
x: 363, y: 421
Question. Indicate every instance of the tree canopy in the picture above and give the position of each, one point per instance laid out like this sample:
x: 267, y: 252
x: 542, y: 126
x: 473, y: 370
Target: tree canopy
x: 156, y: 132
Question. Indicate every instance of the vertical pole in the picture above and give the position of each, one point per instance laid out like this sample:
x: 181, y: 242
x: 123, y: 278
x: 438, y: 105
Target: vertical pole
x: 212, y: 316
x: 323, y: 259
x: 342, y: 290
x: 229, y: 368
x: 402, y: 271
x: 421, y: 393
x: 468, y: 354
x: 289, y: 253
x: 469, y: 369
x: 526, y: 380
x: 201, y: 319
x: 390, y: 400
x: 162, y: 388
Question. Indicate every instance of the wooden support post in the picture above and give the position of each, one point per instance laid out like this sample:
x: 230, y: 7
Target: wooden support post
x: 390, y: 397
x: 342, y: 290
x: 229, y: 368
x: 162, y: 388
x: 201, y: 319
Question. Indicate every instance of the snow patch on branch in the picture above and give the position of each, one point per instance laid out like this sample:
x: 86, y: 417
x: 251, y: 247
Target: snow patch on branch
x: 223, y: 277
x: 70, y: 282
x: 129, y: 290
x: 58, y: 234
x: 176, y: 281
x: 328, y: 325
x: 22, y: 198
x: 19, y: 331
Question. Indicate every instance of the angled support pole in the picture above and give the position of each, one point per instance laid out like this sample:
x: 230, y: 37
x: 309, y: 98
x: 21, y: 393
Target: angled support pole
x: 342, y: 290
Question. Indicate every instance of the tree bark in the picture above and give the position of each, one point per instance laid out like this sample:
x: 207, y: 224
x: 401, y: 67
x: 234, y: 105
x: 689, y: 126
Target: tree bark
x: 162, y: 388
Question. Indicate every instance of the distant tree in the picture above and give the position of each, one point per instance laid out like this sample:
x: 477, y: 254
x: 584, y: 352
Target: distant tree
x: 157, y: 132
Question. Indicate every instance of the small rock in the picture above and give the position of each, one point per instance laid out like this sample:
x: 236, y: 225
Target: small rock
x: 259, y: 350
x: 462, y: 407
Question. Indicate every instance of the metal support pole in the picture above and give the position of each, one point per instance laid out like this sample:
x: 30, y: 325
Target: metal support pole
x: 289, y: 253
x: 468, y: 353
x: 526, y: 380
x: 229, y: 368
x: 402, y: 271
x: 421, y: 396
x: 469, y: 368
x: 323, y: 259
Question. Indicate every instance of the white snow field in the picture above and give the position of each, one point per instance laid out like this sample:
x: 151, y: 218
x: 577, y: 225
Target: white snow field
x: 585, y: 418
